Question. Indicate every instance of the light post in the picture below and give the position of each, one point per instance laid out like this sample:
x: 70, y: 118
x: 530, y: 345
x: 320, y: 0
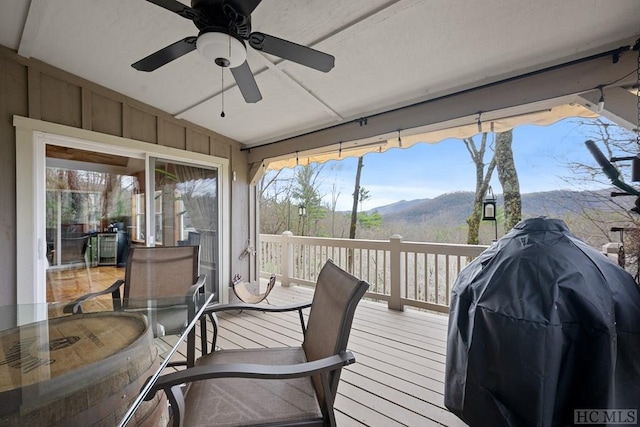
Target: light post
x: 489, y: 208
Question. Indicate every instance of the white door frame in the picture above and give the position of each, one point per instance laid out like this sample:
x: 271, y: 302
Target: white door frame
x: 31, y: 138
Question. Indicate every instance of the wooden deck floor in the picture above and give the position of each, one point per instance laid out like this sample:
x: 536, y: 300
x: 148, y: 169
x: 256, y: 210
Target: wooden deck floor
x: 398, y: 377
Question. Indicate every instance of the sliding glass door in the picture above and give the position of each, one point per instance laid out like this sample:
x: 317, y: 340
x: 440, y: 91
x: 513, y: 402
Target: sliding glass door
x: 185, y: 211
x: 96, y: 211
x: 103, y: 190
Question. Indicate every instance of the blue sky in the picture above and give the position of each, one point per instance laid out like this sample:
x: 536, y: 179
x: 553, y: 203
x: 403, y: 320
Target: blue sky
x: 428, y: 170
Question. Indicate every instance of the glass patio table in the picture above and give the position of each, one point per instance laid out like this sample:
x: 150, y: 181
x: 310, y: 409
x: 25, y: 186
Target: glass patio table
x: 82, y: 369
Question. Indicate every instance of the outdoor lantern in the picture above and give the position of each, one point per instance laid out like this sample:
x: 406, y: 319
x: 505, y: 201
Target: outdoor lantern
x: 302, y: 210
x: 489, y: 206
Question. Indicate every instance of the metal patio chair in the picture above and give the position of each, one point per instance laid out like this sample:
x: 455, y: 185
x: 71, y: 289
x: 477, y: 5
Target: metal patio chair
x: 274, y: 386
x: 161, y: 282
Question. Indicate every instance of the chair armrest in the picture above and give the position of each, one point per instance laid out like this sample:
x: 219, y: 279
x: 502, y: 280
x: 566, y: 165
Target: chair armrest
x: 76, y: 306
x: 192, y: 294
x: 250, y: 370
x: 198, y: 286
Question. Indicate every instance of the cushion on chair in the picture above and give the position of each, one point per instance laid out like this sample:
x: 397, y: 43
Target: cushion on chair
x: 241, y: 401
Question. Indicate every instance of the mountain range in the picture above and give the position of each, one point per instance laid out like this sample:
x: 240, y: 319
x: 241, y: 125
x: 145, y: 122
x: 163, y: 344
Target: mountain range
x: 454, y: 208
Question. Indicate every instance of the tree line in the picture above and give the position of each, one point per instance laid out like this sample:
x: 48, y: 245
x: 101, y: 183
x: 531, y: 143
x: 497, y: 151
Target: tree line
x: 294, y: 202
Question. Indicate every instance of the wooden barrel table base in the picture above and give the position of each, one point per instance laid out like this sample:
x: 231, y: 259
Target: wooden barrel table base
x: 82, y: 370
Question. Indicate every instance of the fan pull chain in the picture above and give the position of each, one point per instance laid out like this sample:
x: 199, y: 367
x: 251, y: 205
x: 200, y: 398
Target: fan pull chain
x: 222, y: 113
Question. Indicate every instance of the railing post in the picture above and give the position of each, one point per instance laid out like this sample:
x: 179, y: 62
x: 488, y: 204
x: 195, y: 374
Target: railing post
x: 287, y: 259
x: 395, y: 300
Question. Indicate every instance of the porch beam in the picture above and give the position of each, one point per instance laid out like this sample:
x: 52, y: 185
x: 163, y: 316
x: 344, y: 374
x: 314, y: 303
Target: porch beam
x: 544, y: 85
x: 620, y: 105
x: 255, y: 173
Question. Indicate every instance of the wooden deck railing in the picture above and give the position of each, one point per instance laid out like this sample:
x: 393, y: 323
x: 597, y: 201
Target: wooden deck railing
x: 400, y: 273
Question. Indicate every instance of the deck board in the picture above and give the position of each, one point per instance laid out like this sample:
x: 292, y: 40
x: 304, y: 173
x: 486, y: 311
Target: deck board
x: 398, y: 377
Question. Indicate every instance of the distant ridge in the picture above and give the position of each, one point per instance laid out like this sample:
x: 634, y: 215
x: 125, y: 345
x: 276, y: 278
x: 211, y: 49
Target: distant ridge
x: 447, y: 209
x: 454, y: 208
x: 397, y: 206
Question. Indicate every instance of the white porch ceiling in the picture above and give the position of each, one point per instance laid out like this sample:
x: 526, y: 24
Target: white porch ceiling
x: 389, y: 53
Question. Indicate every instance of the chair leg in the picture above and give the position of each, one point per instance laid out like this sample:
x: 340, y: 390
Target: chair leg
x: 176, y: 400
x: 203, y: 336
x: 214, y: 323
x: 328, y: 400
x: 304, y: 328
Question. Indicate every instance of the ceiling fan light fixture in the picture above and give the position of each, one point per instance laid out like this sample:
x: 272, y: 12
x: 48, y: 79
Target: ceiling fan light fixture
x: 224, y: 28
x: 223, y: 49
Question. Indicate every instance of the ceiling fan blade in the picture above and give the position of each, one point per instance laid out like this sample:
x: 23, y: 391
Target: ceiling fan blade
x: 166, y: 55
x: 292, y: 51
x: 176, y: 7
x: 246, y: 83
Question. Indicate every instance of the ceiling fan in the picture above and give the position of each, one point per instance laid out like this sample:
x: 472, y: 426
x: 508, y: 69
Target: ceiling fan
x: 223, y: 26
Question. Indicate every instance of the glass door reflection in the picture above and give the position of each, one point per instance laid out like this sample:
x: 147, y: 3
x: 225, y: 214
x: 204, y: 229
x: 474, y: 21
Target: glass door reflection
x: 90, y: 214
x: 186, y: 207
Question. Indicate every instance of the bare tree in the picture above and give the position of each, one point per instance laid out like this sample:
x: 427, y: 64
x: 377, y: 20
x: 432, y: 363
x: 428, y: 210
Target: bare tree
x: 356, y: 199
x: 306, y: 192
x: 268, y: 181
x: 601, y: 211
x: 483, y: 176
x: 508, y: 177
x: 274, y: 197
x: 335, y: 194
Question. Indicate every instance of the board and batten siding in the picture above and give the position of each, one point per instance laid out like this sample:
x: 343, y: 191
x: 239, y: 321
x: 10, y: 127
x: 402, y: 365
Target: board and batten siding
x: 31, y: 88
